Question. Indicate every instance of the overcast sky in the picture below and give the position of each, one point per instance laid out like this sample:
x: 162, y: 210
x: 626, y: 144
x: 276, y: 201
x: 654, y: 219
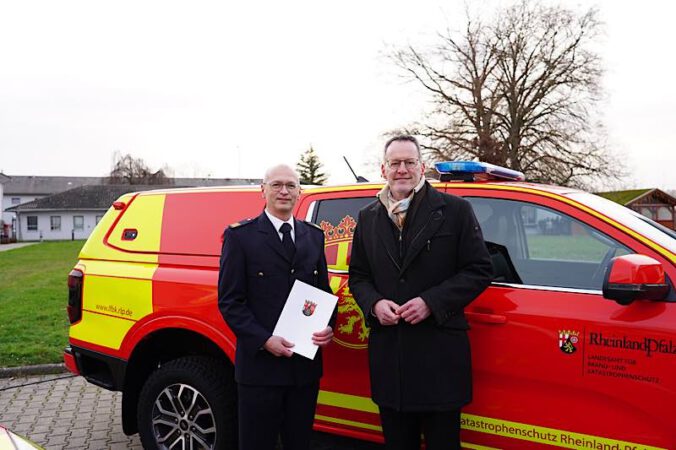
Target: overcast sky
x: 224, y: 89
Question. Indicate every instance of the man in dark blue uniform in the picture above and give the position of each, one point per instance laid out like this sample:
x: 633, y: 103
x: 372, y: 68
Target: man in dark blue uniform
x: 261, y: 259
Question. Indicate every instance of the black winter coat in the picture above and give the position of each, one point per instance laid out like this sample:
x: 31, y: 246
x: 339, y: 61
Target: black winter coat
x: 443, y: 259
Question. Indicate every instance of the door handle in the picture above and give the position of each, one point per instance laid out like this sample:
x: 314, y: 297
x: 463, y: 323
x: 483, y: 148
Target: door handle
x: 496, y: 319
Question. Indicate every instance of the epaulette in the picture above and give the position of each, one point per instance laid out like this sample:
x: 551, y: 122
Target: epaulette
x: 314, y: 225
x: 240, y: 223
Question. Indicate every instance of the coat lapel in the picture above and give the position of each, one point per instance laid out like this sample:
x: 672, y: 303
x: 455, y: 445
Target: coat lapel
x: 302, y: 250
x: 271, y: 236
x: 384, y: 226
x: 426, y: 221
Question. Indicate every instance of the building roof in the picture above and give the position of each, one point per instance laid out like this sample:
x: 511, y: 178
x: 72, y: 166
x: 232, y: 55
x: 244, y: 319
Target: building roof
x: 624, y: 197
x: 197, y: 182
x: 39, y: 185
x: 46, y: 185
x: 84, y: 197
x: 640, y: 197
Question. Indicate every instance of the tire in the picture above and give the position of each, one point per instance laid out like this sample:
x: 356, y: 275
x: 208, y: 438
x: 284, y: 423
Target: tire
x: 189, y: 403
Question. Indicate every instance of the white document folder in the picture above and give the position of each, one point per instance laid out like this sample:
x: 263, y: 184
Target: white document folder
x: 307, y: 310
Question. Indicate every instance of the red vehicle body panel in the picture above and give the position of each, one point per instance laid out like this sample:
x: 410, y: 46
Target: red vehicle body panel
x: 552, y: 366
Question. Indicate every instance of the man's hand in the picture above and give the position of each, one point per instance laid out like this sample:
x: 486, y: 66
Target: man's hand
x: 322, y: 338
x: 414, y: 311
x: 279, y: 346
x: 386, y: 312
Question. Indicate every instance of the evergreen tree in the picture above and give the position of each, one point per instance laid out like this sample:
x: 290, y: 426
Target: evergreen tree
x: 309, y: 168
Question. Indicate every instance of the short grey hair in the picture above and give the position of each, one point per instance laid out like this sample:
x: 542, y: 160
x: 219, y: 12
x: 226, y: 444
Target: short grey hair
x: 402, y: 138
x: 280, y: 166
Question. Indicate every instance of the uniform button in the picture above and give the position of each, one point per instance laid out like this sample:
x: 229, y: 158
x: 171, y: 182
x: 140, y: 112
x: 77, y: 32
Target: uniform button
x: 260, y: 274
x: 401, y: 280
x: 315, y: 272
x: 293, y: 270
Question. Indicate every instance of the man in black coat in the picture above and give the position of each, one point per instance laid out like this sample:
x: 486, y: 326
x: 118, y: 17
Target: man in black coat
x: 260, y: 260
x: 418, y: 258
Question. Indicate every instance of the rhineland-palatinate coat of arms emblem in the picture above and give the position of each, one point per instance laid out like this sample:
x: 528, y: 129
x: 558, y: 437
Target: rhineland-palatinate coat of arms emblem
x: 567, y: 340
x: 309, y: 308
x: 350, y: 328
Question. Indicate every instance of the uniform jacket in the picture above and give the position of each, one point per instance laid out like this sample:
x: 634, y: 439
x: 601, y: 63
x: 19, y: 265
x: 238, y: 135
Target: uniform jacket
x: 440, y: 257
x: 254, y: 281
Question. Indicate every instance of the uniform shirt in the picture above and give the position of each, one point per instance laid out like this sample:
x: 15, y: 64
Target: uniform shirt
x: 277, y: 223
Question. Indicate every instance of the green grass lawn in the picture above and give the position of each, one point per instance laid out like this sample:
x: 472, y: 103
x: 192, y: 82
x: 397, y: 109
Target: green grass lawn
x: 33, y: 299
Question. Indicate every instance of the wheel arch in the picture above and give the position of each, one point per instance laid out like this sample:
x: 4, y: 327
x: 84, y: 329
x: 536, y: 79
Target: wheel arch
x: 154, y: 350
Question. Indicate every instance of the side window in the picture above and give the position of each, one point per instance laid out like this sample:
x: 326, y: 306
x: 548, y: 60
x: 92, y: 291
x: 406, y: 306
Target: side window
x: 32, y: 222
x: 338, y: 217
x: 536, y: 245
x: 55, y: 223
x: 78, y: 222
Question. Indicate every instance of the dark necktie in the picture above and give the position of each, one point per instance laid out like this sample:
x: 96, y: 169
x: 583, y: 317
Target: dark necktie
x: 287, y: 242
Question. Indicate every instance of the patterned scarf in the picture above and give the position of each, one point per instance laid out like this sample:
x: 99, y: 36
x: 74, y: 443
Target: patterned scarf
x: 397, y: 209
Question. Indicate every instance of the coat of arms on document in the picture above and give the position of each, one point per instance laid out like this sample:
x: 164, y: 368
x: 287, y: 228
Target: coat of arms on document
x: 309, y: 308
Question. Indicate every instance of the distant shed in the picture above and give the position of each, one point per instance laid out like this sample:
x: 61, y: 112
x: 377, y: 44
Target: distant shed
x: 652, y: 203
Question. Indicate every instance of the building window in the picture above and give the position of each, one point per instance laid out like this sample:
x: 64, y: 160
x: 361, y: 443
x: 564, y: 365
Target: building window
x: 32, y: 223
x: 98, y: 218
x: 16, y: 200
x: 78, y: 222
x: 55, y: 223
x: 664, y: 213
x: 648, y: 212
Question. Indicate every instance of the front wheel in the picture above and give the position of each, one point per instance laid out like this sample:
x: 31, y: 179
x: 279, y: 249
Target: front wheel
x: 189, y: 403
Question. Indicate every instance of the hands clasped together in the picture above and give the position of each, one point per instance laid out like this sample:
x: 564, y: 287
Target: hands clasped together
x: 413, y: 311
x: 279, y: 346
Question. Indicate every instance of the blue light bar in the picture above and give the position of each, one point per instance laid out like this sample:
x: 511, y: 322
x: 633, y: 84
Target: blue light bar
x: 480, y: 170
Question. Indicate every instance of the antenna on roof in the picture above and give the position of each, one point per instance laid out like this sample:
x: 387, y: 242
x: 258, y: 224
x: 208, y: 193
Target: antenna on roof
x: 359, y: 178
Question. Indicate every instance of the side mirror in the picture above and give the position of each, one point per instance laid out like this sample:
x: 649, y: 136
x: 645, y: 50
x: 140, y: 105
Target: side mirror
x: 634, y: 277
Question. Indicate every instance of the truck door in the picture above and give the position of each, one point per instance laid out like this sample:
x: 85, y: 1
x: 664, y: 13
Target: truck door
x: 344, y: 399
x: 554, y: 362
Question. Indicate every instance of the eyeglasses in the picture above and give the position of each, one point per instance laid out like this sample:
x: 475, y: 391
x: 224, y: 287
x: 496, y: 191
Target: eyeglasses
x: 408, y: 163
x: 277, y: 186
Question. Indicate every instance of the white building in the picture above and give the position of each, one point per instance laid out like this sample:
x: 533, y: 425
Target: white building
x: 4, y: 229
x: 30, y: 213
x: 72, y: 214
x: 19, y: 189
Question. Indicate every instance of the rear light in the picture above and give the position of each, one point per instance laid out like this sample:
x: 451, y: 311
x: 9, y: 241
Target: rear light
x: 75, y: 279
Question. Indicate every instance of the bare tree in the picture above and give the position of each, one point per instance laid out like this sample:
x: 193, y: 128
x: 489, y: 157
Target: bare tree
x: 520, y: 91
x: 129, y: 170
x: 309, y: 168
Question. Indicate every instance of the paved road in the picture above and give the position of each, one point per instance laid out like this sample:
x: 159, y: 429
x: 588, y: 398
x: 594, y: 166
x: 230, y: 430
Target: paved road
x: 65, y: 412
x: 4, y: 247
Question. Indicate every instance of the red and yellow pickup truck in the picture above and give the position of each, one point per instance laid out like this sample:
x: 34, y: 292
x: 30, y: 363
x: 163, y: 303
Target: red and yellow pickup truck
x: 573, y: 344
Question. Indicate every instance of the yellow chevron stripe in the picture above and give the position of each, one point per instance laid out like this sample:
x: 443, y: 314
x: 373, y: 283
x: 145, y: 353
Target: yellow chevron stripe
x: 543, y: 435
x: 351, y: 423
x: 481, y: 424
x: 353, y: 402
x: 476, y: 446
